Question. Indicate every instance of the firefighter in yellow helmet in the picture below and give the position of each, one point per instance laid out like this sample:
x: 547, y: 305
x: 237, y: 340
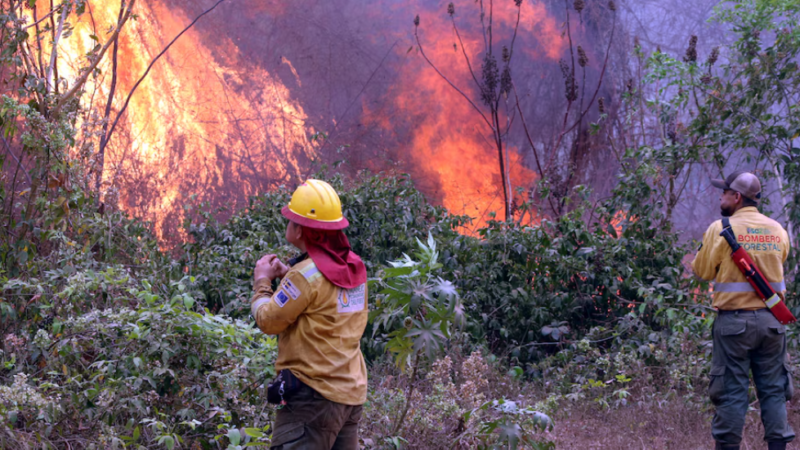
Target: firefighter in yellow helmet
x: 319, y: 312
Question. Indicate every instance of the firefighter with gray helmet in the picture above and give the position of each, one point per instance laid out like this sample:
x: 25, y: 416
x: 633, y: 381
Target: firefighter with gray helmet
x: 749, y: 331
x: 319, y: 312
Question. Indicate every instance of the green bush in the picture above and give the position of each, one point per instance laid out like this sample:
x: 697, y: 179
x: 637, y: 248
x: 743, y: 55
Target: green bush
x: 386, y: 214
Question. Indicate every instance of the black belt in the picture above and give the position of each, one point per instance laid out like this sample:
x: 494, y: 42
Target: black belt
x: 737, y: 311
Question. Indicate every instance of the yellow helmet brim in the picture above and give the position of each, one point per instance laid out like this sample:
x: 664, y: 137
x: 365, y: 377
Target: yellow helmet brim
x: 339, y: 224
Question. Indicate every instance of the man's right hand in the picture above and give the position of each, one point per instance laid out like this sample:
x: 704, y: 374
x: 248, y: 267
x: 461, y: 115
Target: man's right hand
x: 265, y: 268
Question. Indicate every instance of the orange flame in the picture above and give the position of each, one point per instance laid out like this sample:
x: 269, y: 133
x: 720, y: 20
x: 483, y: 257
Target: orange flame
x: 452, y: 148
x: 203, y: 122
x: 210, y: 122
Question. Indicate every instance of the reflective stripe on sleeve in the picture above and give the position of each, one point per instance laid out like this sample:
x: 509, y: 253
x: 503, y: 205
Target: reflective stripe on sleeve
x: 311, y: 273
x: 257, y: 304
x: 779, y: 286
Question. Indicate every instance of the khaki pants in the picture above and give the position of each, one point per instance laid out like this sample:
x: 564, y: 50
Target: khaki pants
x: 310, y: 421
x: 746, y: 341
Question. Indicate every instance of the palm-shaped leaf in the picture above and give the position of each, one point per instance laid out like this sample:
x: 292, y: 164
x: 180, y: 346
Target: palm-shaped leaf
x: 445, y: 288
x: 427, y: 337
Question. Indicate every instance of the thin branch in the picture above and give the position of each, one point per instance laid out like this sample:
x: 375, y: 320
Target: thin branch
x: 464, y: 50
x: 569, y: 94
x: 571, y: 45
x: 152, y: 63
x: 97, y: 58
x: 422, y: 52
x: 483, y: 26
x: 684, y: 305
x: 53, y: 27
x: 39, y: 42
x: 491, y: 16
x: 514, y: 37
x: 409, y: 393
x: 503, y: 165
x: 11, y: 202
x: 530, y: 141
x: 540, y: 344
x: 30, y: 66
x: 37, y: 22
x: 686, y: 180
x: 19, y: 163
x: 599, y: 85
x: 54, y: 50
x: 577, y: 143
x: 111, y: 91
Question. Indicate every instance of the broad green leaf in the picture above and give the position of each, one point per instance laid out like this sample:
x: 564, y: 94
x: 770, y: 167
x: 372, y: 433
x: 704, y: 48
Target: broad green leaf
x: 234, y: 436
x: 167, y: 441
x: 254, y: 432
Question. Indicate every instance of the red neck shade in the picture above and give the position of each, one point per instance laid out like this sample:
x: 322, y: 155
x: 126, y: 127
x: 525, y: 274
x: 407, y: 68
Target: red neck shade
x: 330, y: 251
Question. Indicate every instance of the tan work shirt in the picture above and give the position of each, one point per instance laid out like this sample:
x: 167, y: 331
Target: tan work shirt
x: 319, y: 327
x: 765, y: 241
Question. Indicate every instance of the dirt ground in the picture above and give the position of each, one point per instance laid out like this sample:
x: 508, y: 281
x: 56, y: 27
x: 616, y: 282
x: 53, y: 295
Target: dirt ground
x: 669, y: 426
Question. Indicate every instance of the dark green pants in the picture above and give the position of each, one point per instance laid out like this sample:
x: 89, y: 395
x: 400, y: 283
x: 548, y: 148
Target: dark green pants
x: 310, y: 421
x: 746, y: 341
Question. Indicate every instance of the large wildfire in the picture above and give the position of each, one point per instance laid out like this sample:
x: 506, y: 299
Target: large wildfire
x: 451, y: 144
x: 205, y: 122
x: 231, y: 108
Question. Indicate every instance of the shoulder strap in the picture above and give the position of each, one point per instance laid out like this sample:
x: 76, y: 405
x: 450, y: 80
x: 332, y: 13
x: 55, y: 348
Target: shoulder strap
x: 727, y: 234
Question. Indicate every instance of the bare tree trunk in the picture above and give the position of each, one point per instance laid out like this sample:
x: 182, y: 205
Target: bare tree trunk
x: 51, y: 69
x: 101, y: 154
x: 501, y: 160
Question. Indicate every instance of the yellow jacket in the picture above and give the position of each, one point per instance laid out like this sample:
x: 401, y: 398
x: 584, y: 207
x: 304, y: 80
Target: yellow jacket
x: 319, y: 327
x: 765, y: 241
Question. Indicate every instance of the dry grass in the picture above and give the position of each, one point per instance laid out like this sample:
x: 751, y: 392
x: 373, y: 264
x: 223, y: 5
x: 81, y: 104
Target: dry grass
x: 657, y: 417
x: 668, y: 426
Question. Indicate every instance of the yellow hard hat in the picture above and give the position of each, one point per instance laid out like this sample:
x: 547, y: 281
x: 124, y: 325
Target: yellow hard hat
x: 316, y: 205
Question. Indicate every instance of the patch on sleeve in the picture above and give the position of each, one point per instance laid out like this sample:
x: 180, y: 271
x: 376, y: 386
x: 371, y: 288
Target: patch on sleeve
x: 290, y: 289
x: 281, y: 298
x: 352, y: 300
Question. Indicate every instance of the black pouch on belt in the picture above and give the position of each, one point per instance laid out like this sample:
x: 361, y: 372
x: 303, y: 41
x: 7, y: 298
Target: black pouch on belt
x: 283, y: 387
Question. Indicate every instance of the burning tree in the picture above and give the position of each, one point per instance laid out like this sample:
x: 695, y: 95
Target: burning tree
x: 42, y: 120
x: 500, y: 103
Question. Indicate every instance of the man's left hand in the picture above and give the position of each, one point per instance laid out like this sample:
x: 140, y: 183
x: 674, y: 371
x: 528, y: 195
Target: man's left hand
x: 279, y: 269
